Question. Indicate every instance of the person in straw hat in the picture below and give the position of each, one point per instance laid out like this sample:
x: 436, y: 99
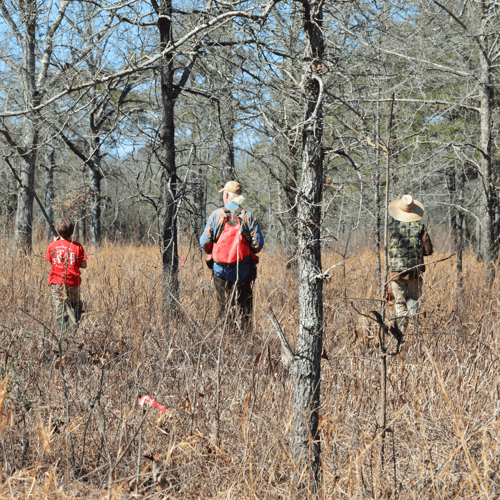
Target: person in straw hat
x: 232, y: 239
x: 409, y: 241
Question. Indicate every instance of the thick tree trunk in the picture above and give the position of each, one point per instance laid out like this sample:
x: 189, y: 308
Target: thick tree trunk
x: 49, y: 189
x: 95, y: 205
x: 24, y: 216
x: 168, y: 202
x: 306, y: 366
x: 486, y: 95
x: 95, y: 177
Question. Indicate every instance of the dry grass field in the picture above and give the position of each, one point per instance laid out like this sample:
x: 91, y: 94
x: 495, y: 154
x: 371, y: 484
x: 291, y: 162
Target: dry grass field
x: 71, y: 426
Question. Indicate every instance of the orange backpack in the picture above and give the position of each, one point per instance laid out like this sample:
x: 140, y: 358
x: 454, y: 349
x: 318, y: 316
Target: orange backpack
x: 231, y: 247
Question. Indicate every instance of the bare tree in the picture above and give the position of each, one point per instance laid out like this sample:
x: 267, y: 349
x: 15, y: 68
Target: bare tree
x: 487, y: 39
x: 46, y: 72
x: 166, y: 151
x: 306, y: 367
x: 23, y: 22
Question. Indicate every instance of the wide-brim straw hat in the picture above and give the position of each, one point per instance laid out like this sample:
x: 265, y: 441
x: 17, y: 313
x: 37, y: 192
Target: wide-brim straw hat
x: 406, y: 209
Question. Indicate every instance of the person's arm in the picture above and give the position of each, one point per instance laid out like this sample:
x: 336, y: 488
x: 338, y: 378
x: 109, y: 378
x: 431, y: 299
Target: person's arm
x: 82, y: 256
x: 207, y: 238
x: 253, y: 234
x: 427, y: 243
x: 48, y: 256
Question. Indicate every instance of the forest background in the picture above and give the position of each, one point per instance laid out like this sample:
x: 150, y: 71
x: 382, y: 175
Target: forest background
x: 130, y: 116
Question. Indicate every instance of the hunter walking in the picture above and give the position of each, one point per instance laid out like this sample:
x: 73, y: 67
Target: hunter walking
x: 409, y: 242
x: 232, y: 239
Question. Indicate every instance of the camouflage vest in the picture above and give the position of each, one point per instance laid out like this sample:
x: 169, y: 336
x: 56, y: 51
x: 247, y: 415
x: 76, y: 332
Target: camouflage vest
x: 406, y: 246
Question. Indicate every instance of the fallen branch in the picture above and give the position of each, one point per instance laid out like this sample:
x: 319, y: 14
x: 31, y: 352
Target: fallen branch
x: 284, y: 343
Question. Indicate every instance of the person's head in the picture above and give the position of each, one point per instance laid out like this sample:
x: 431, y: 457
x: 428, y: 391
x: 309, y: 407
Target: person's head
x: 65, y: 228
x: 232, y: 192
x: 406, y: 209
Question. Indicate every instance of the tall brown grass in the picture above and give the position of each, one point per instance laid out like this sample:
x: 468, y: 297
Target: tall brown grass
x: 75, y: 429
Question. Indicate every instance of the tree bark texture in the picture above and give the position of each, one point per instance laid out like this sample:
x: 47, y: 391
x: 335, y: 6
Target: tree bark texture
x: 306, y: 367
x: 166, y: 155
x: 24, y: 216
x: 95, y: 185
x: 486, y: 96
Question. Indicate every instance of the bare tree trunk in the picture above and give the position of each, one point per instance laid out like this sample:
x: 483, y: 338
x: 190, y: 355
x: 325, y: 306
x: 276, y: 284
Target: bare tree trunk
x: 49, y: 189
x: 95, y: 206
x: 227, y: 123
x: 24, y: 216
x: 289, y: 184
x: 459, y: 229
x: 450, y: 181
x: 227, y: 115
x: 487, y: 94
x: 228, y: 171
x: 95, y: 184
x: 94, y: 164
x: 9, y: 209
x: 199, y: 202
x: 378, y: 234
x: 378, y: 218
x: 306, y: 367
x: 383, y: 366
x: 168, y: 202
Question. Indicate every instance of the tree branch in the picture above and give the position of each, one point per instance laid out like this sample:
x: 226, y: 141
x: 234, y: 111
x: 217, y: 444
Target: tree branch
x: 12, y: 143
x: 284, y: 342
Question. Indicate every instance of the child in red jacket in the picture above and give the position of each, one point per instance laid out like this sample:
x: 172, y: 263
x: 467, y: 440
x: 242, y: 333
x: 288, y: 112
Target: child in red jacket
x: 67, y: 258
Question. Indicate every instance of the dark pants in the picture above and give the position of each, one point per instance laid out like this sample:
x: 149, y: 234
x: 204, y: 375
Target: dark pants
x: 241, y: 299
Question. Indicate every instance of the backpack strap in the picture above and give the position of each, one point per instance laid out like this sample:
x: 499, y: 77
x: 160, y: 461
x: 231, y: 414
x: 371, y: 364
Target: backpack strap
x: 227, y: 219
x: 232, y: 218
x: 240, y: 212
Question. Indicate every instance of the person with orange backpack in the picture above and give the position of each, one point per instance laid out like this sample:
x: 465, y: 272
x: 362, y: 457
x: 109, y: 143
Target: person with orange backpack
x: 232, y: 239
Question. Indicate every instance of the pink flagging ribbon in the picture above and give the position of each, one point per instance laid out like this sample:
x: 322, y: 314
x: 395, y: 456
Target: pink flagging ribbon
x: 182, y: 260
x: 151, y: 402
